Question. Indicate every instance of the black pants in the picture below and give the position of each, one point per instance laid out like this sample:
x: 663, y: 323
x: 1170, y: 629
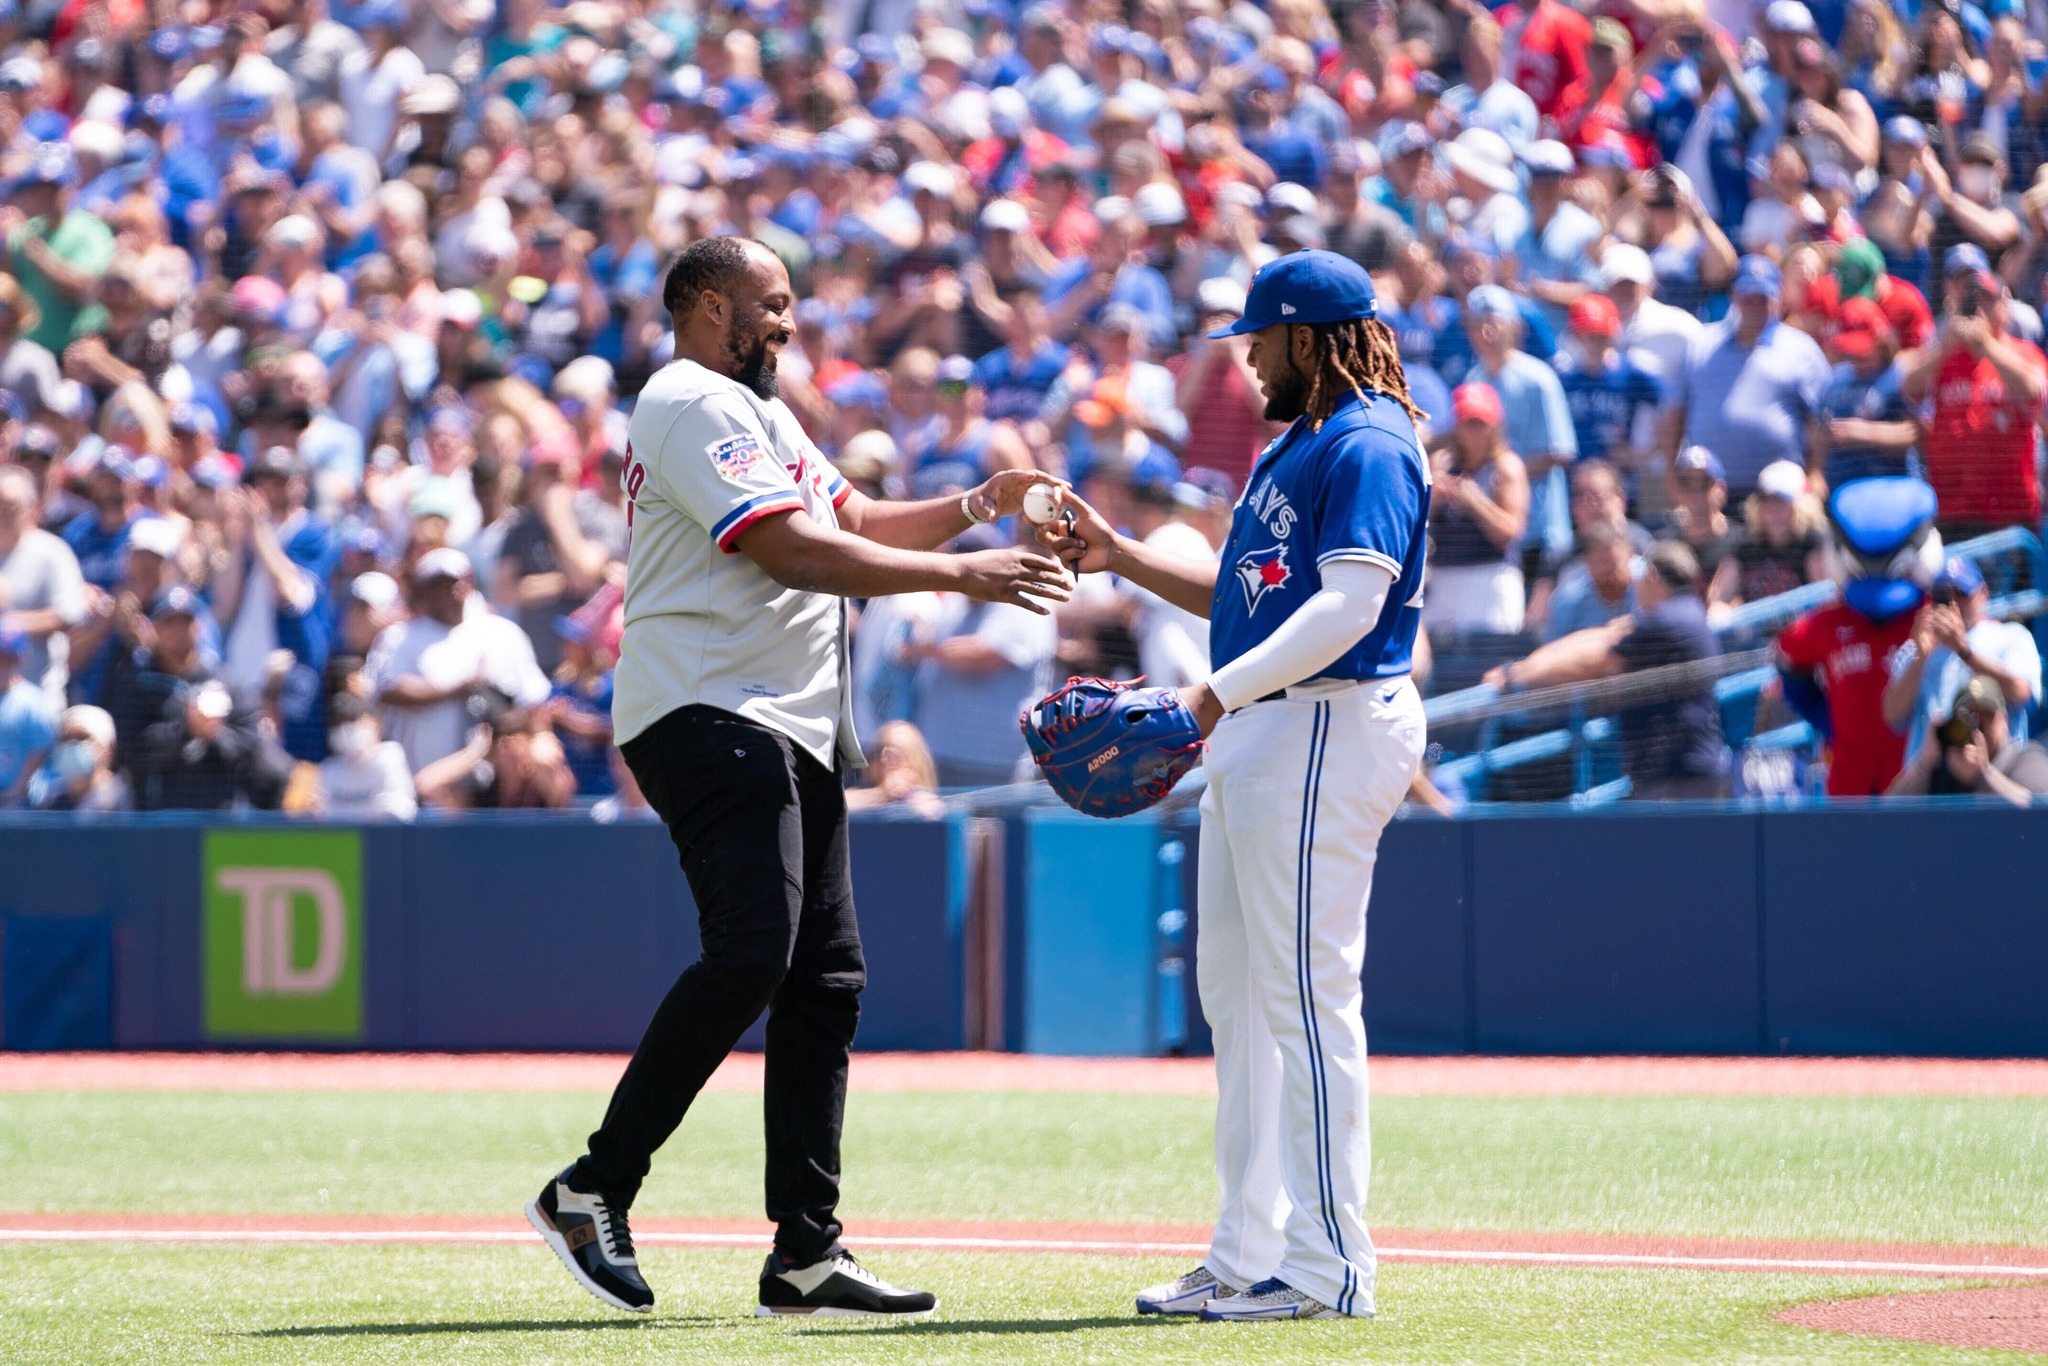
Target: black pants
x: 761, y: 827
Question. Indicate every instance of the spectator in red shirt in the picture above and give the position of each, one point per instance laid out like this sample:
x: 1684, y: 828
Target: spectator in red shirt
x: 1594, y: 110
x: 1544, y: 44
x: 1859, y: 273
x: 1218, y: 389
x: 1986, y: 387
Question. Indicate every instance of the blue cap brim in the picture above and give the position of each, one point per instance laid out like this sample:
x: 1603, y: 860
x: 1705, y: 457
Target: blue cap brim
x: 1236, y: 329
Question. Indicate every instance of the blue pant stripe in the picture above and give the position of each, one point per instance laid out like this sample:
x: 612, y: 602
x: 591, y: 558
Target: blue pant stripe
x: 1318, y: 1080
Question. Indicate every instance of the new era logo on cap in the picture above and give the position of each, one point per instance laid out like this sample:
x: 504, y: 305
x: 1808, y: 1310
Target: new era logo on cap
x: 1305, y: 287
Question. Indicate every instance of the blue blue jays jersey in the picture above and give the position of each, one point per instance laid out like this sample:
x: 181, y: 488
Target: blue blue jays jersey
x: 1356, y: 490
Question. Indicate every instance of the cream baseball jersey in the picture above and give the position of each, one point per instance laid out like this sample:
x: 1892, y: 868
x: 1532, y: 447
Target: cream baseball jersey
x: 706, y: 458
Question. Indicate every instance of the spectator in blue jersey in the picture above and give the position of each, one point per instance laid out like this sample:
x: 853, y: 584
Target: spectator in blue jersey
x: 965, y: 447
x: 99, y: 538
x: 1538, y: 420
x: 1867, y: 428
x: 271, y: 597
x: 28, y: 720
x: 579, y: 705
x: 117, y: 620
x: 1471, y: 262
x: 1751, y: 385
x: 1604, y: 387
x: 1262, y: 106
x: 1019, y: 375
x: 1553, y: 258
x: 1113, y: 272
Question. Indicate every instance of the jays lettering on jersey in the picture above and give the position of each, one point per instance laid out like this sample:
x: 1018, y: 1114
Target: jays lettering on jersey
x: 1356, y: 490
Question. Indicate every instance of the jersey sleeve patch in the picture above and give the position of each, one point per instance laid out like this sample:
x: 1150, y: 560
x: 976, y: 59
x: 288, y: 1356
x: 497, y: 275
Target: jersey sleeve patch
x: 735, y: 455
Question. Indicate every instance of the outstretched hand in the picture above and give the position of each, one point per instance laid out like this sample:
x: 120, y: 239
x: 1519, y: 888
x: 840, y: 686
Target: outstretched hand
x: 1014, y: 575
x: 1002, y: 494
x: 1083, y: 539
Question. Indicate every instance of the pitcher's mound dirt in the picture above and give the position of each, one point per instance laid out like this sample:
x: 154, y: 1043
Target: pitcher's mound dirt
x: 2013, y: 1318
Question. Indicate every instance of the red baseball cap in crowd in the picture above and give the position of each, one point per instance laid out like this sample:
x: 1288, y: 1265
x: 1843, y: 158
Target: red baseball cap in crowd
x: 556, y: 446
x: 1596, y: 315
x: 1476, y: 403
x: 1861, y: 328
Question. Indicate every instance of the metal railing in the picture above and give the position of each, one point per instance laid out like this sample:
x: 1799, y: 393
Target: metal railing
x: 1740, y: 679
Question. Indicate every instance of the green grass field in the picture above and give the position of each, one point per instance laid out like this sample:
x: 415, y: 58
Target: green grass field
x: 1888, y: 1169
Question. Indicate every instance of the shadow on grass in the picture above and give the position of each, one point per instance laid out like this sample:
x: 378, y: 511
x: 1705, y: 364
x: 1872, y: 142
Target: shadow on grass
x: 948, y: 1327
x: 400, y: 1330
x: 811, y: 1327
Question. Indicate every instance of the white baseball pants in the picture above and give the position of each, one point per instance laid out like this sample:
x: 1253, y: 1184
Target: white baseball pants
x: 1299, y: 790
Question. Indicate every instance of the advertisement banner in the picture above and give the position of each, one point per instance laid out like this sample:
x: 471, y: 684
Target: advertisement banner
x: 282, y: 952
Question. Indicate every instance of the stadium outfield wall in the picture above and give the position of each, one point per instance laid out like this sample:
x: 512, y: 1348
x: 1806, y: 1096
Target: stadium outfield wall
x: 1897, y: 929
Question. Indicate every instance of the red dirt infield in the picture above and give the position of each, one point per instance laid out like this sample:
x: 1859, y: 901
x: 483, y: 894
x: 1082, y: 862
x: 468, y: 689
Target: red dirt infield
x: 1456, y: 1076
x: 1648, y: 1251
x: 2013, y: 1318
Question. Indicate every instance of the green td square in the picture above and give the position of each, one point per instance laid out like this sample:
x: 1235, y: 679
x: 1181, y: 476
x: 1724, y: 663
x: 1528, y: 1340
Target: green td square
x: 282, y: 942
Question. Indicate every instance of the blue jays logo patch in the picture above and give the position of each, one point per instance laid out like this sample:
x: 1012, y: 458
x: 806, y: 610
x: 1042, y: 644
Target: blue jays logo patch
x: 735, y: 455
x: 1260, y: 571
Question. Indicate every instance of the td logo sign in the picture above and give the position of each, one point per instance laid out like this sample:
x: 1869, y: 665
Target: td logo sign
x: 283, y: 942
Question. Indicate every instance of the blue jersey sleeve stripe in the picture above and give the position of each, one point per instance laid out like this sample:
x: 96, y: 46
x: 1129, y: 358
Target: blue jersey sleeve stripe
x: 1378, y: 557
x: 751, y: 511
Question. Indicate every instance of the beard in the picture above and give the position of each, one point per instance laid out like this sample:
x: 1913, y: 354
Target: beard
x: 750, y: 362
x: 1288, y: 396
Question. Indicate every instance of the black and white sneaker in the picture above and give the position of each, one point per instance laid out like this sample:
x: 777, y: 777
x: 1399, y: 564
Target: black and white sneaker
x: 838, y: 1287
x: 593, y: 1241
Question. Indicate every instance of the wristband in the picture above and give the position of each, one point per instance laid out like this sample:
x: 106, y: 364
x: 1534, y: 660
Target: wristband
x: 967, y: 511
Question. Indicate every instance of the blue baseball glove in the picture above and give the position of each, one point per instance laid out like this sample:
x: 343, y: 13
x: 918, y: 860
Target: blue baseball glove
x: 1110, y: 749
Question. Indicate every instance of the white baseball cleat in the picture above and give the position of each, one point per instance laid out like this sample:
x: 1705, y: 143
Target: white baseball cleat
x: 1269, y: 1299
x: 1186, y: 1295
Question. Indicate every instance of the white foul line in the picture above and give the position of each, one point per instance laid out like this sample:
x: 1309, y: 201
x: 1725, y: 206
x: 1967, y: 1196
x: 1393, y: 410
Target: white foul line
x: 1670, y: 1261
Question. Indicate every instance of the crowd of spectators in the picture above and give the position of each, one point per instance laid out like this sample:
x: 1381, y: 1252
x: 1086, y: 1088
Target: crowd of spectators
x: 320, y: 321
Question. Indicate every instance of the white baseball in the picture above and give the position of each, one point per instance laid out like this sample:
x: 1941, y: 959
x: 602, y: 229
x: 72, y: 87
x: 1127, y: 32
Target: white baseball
x: 1041, y: 504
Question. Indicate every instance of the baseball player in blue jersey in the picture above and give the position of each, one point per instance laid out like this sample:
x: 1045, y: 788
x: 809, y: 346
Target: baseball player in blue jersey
x: 1315, y: 731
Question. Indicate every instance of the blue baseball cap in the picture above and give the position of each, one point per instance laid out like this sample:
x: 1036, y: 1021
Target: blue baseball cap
x: 1700, y: 460
x: 1964, y: 256
x: 1491, y: 301
x: 1305, y: 287
x: 1905, y: 130
x: 13, y: 642
x: 1757, y: 275
x: 1961, y: 575
x: 176, y: 601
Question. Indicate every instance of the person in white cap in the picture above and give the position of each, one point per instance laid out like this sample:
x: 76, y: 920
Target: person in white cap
x: 313, y: 294
x: 1489, y: 202
x: 423, y: 671
x: 925, y: 295
x: 80, y: 775
x: 1786, y: 545
x: 1217, y: 388
x: 1554, y: 256
x: 1655, y: 336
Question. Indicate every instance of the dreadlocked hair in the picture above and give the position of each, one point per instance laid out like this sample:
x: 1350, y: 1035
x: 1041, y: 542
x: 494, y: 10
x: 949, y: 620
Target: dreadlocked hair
x: 1359, y: 356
